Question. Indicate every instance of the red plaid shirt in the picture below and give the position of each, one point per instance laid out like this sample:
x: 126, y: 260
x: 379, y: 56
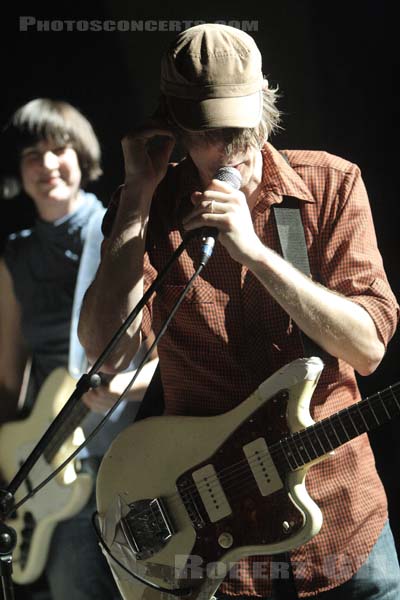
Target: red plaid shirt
x: 229, y: 335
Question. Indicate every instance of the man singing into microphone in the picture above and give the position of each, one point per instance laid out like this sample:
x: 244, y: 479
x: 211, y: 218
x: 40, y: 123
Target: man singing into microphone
x: 242, y: 319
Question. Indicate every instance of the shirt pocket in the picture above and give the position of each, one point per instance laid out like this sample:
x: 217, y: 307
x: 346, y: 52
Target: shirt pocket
x: 198, y: 294
x: 197, y: 317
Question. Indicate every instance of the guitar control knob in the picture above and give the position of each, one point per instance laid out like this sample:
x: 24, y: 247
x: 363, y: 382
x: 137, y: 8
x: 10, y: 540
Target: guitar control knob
x: 225, y: 540
x: 29, y: 520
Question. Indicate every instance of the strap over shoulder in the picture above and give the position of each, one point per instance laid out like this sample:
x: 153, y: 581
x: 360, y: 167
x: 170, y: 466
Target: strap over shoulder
x: 294, y: 249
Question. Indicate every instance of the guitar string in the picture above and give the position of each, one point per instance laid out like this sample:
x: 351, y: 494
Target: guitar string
x: 239, y: 476
x: 388, y: 392
x: 243, y: 464
x: 275, y: 451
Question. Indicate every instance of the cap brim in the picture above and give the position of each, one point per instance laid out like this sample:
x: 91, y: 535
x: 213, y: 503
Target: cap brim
x: 216, y: 113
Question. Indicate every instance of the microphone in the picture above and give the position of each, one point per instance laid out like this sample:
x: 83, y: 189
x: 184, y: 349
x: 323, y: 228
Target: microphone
x: 231, y: 176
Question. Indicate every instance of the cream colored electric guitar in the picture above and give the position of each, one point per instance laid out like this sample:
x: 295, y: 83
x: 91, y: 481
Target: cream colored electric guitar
x: 181, y: 499
x: 65, y: 495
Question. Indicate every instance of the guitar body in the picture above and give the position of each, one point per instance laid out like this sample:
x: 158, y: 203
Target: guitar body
x: 62, y: 498
x: 218, y: 494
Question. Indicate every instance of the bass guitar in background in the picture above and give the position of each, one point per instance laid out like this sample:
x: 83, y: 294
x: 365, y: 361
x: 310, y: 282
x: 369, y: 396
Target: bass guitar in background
x: 65, y: 495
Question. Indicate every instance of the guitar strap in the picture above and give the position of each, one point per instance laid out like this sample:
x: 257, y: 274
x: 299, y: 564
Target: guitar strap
x: 77, y: 361
x: 294, y: 249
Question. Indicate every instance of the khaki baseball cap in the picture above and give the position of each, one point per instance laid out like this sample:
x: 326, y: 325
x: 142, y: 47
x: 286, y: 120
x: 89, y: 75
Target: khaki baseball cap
x: 212, y: 78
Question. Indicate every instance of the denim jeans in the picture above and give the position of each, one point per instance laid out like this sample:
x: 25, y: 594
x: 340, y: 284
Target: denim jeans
x: 377, y: 579
x: 77, y: 569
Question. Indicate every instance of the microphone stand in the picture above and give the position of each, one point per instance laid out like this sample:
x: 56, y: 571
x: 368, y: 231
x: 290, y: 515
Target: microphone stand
x: 8, y: 537
x: 8, y: 540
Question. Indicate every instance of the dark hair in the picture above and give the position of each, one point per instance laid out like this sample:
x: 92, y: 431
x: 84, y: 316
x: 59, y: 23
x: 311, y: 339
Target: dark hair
x: 45, y: 119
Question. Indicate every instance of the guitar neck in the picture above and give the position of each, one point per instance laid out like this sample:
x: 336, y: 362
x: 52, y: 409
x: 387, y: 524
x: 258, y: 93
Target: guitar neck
x: 72, y: 421
x: 66, y: 430
x: 304, y: 446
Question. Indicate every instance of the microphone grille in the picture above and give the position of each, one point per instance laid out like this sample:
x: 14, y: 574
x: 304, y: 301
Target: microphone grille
x: 230, y: 175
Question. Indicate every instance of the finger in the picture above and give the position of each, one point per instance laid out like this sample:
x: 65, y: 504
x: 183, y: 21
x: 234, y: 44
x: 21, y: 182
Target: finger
x: 219, y: 196
x: 218, y: 185
x: 96, y: 405
x: 146, y: 133
x: 206, y: 207
x: 87, y: 400
x: 206, y: 219
x: 92, y: 397
x: 208, y: 196
x: 195, y: 197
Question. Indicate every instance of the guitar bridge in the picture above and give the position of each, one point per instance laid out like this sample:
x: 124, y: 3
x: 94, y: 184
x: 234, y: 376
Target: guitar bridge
x: 147, y: 527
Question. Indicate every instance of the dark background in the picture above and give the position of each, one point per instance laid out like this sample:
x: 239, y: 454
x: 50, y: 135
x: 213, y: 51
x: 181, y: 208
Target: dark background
x: 335, y: 63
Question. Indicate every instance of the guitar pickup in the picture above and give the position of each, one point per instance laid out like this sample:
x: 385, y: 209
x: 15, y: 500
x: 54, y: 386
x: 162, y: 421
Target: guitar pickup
x: 212, y: 493
x: 263, y: 467
x: 147, y: 527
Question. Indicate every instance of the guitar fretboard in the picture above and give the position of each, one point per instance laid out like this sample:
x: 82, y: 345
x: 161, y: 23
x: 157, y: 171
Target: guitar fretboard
x: 72, y: 421
x: 306, y: 445
x: 66, y: 430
